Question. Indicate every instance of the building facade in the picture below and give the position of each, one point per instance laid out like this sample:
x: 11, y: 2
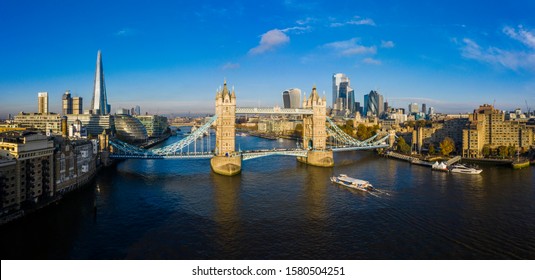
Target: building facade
x: 42, y: 102
x: 66, y: 103
x: 30, y: 179
x: 487, y: 127
x: 44, y: 122
x: 77, y: 105
x: 155, y: 125
x: 292, y: 98
x: 75, y: 163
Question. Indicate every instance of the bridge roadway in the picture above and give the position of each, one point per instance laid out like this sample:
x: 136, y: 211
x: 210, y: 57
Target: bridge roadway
x: 246, y: 155
x: 273, y: 111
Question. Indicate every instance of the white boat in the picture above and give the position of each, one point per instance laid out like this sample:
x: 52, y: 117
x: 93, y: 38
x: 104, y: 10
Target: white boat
x: 460, y: 168
x: 439, y: 166
x: 353, y: 183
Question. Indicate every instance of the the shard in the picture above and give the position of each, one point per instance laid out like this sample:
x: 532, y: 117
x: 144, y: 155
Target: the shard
x: 99, y: 104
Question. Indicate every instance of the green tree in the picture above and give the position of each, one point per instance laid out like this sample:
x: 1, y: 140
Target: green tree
x: 511, y: 151
x: 502, y: 151
x: 486, y: 151
x: 403, y: 146
x: 432, y: 149
x: 447, y: 146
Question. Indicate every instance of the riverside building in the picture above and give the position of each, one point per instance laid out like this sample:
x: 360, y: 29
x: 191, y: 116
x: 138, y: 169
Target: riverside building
x: 487, y: 126
x: 27, y: 169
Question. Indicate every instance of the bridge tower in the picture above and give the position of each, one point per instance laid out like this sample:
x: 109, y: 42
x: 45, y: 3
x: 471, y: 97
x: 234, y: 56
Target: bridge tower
x: 314, y: 133
x: 226, y: 161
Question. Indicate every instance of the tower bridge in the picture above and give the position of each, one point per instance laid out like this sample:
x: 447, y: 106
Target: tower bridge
x: 225, y: 160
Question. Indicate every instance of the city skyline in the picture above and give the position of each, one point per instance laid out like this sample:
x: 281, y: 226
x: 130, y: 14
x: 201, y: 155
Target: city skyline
x: 171, y: 57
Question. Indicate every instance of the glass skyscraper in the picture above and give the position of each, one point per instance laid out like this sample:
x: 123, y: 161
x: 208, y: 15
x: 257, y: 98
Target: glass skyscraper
x: 99, y: 104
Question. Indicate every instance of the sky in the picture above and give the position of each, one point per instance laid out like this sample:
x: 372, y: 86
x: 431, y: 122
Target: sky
x: 172, y: 56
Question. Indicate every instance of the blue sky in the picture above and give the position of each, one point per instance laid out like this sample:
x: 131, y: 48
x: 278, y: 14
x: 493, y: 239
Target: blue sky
x: 171, y: 56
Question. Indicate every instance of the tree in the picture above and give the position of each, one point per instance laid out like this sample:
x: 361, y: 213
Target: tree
x: 511, y: 151
x: 432, y: 149
x: 486, y: 150
x: 502, y: 151
x: 447, y: 146
x: 403, y: 146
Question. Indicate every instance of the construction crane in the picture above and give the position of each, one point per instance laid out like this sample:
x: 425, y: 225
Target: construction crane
x: 527, y: 108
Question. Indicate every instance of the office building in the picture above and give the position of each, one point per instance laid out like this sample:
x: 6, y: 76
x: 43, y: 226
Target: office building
x: 38, y: 121
x: 424, y: 108
x: 129, y: 129
x: 137, y: 110
x: 94, y: 124
x: 155, y: 125
x: 373, y: 104
x: 413, y: 108
x: 67, y: 104
x: 292, y: 98
x: 42, y: 102
x: 99, y: 104
x: 337, y: 80
x: 77, y: 106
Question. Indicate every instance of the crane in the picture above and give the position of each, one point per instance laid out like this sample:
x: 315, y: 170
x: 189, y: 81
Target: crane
x: 527, y: 108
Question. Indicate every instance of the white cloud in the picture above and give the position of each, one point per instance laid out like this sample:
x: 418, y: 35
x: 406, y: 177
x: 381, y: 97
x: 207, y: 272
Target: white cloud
x: 305, y: 21
x: 269, y: 41
x: 230, y: 66
x: 296, y: 29
x: 514, y: 60
x: 351, y: 47
x: 355, y: 21
x: 371, y: 61
x: 125, y: 32
x: 387, y: 44
x: 525, y: 37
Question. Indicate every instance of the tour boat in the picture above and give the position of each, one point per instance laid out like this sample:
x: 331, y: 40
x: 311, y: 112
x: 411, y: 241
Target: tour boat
x: 353, y: 183
x: 460, y: 168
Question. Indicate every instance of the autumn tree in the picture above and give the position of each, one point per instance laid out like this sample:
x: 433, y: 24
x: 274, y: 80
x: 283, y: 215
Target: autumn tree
x: 447, y: 146
x: 403, y: 146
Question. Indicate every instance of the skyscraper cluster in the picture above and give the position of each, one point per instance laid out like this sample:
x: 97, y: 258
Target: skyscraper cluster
x: 343, y: 94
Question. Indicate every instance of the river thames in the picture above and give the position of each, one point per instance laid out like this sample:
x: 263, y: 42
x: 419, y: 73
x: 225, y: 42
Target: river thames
x: 278, y: 208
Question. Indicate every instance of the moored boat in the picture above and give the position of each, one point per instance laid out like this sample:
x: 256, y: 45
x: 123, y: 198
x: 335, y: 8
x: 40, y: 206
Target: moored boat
x: 439, y: 166
x: 353, y: 183
x: 461, y: 168
x: 520, y: 163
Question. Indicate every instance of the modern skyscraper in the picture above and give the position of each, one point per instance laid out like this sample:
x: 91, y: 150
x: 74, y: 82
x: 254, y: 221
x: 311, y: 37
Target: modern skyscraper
x: 337, y: 79
x: 424, y: 108
x: 413, y: 108
x: 42, y: 102
x: 99, y: 104
x: 77, y: 106
x: 292, y: 98
x: 373, y: 104
x: 66, y: 108
x: 137, y: 110
x: 346, y: 97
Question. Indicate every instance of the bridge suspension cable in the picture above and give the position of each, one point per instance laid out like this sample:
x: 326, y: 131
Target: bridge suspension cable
x: 178, y: 146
